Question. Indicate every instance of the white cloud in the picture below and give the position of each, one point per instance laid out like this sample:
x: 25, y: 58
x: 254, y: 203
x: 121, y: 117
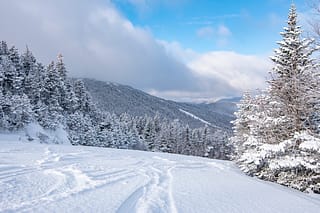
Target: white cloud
x: 219, y: 34
x: 175, y: 50
x: 218, y: 73
x: 242, y: 72
x: 223, y: 31
x: 206, y: 32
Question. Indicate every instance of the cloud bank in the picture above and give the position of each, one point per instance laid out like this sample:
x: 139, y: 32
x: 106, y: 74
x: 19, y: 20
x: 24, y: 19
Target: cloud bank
x: 98, y: 42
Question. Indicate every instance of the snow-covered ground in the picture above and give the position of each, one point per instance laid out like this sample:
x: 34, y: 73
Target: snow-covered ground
x: 61, y: 178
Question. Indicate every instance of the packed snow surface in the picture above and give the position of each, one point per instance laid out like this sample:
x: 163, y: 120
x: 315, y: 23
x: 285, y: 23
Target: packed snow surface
x: 61, y: 178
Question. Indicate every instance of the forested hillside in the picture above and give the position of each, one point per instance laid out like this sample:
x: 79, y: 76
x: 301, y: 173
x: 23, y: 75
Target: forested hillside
x: 34, y: 94
x: 119, y: 99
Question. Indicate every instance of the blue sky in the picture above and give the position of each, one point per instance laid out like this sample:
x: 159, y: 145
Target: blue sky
x: 184, y: 50
x: 245, y: 26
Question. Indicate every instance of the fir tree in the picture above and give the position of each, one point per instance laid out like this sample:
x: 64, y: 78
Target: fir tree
x: 243, y: 121
x: 51, y: 96
x: 17, y: 76
x: 149, y: 134
x: 28, y: 63
x: 20, y: 112
x: 9, y: 75
x: 4, y: 48
x: 295, y: 82
x: 84, y: 100
x: 61, y: 68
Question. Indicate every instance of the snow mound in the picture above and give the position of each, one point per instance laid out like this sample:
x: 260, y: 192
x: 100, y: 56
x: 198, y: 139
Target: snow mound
x: 33, y: 132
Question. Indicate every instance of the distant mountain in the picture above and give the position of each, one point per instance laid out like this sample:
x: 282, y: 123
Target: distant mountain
x: 119, y: 99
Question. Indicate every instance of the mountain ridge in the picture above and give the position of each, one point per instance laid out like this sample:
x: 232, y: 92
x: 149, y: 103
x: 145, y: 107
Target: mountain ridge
x: 117, y: 98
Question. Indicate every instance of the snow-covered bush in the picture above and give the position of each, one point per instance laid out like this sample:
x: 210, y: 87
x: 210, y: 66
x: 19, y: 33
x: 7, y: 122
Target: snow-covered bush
x: 294, y: 162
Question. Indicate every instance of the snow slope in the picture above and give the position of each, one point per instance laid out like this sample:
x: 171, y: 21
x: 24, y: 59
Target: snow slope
x: 60, y: 178
x: 195, y: 117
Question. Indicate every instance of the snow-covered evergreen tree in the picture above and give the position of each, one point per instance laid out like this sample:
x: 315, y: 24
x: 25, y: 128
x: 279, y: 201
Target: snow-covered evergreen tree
x: 51, y: 96
x: 295, y: 80
x: 273, y: 128
x: 18, y: 75
x: 67, y: 97
x: 4, y: 112
x: 31, y: 86
x: 9, y: 76
x: 20, y: 112
x: 85, y: 103
x: 4, y: 48
x: 149, y: 134
x: 61, y: 68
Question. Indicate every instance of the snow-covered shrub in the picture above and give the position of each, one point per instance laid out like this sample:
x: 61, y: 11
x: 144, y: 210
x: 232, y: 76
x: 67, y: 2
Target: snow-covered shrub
x: 294, y: 162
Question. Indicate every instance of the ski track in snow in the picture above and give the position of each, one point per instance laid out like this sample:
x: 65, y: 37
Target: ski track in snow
x: 68, y: 181
x: 156, y: 194
x: 46, y: 178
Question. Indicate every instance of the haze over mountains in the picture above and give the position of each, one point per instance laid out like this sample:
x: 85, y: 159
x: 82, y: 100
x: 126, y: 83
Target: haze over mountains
x: 118, y: 99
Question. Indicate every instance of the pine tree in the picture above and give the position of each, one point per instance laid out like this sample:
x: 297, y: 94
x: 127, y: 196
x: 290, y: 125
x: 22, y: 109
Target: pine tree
x: 28, y: 61
x: 295, y: 82
x: 50, y: 97
x: 3, y: 48
x: 243, y: 123
x: 36, y: 82
x: 162, y: 140
x: 149, y: 134
x: 9, y: 75
x: 81, y: 130
x: 15, y: 58
x: 84, y: 100
x: 70, y: 102
x: 61, y: 68
x: 20, y: 112
x: 2, y: 76
x: 30, y: 85
x: 18, y: 75
x: 4, y: 112
x: 186, y: 141
x: 104, y: 131
x: 65, y: 96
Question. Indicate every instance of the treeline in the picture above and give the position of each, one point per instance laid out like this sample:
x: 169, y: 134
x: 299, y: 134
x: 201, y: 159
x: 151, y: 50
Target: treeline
x: 33, y: 93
